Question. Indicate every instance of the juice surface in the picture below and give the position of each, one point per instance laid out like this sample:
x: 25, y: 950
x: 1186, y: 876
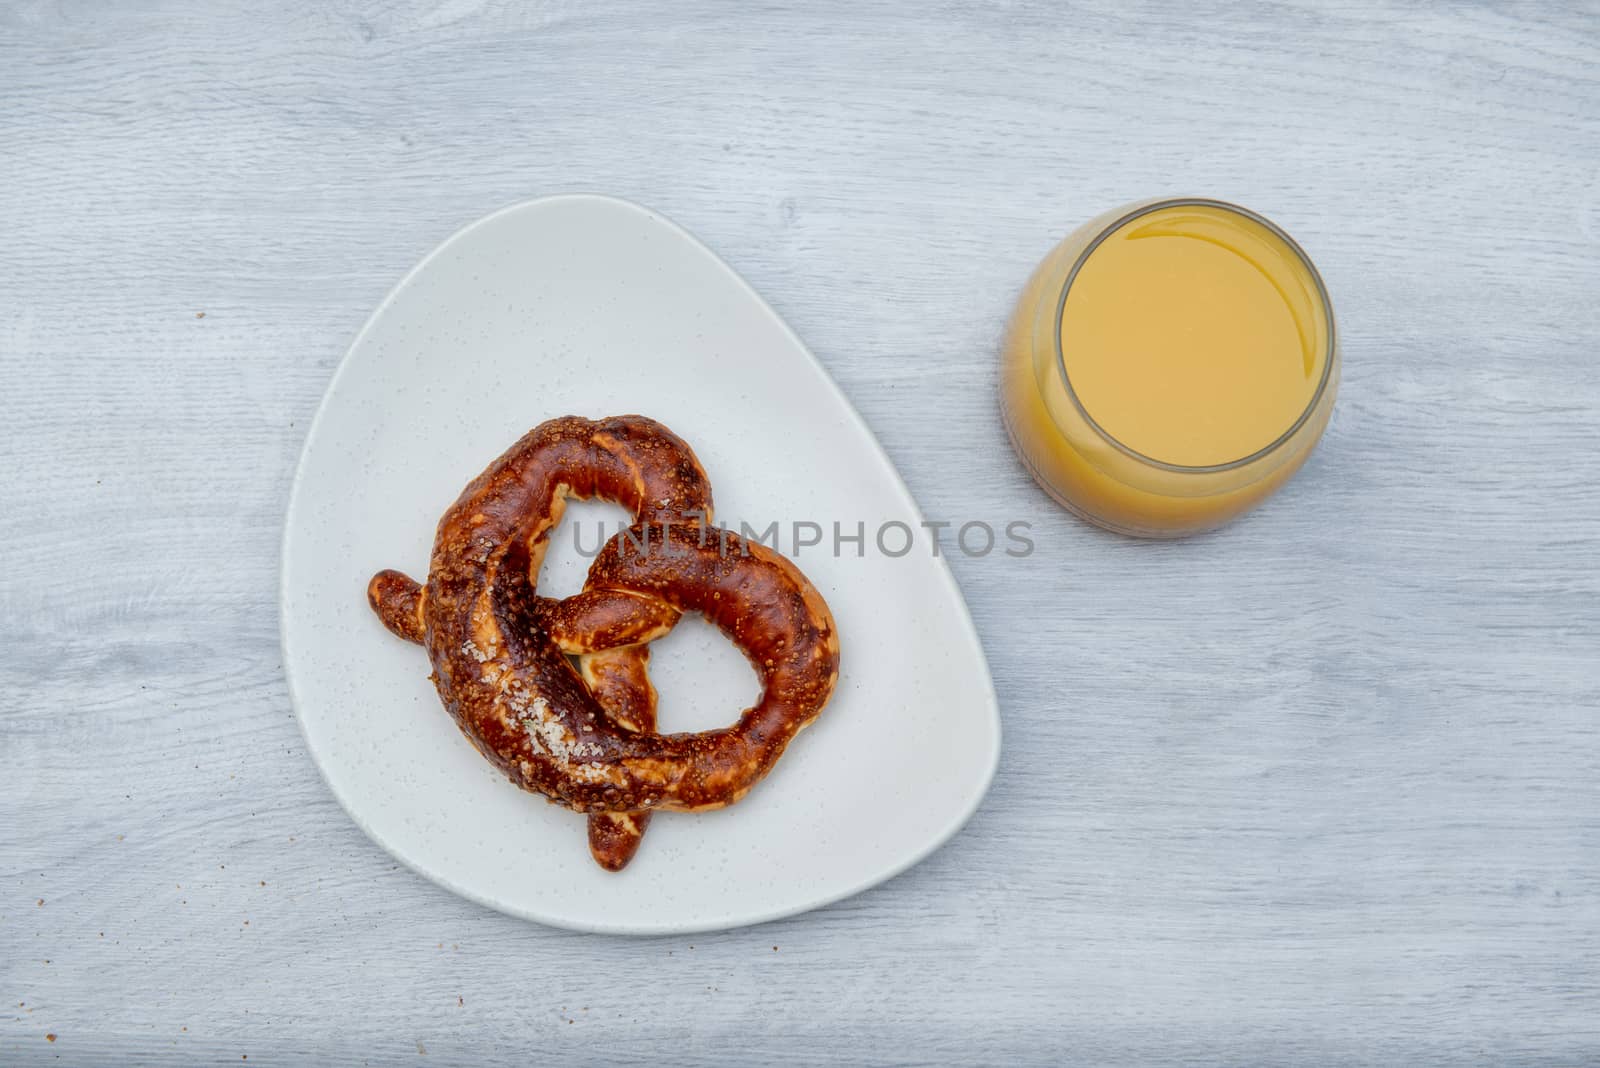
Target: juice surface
x: 1194, y: 336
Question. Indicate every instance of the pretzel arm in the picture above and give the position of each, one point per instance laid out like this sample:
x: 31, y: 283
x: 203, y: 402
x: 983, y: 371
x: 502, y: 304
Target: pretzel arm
x: 620, y: 681
x: 397, y: 599
x: 608, y: 628
x: 599, y: 619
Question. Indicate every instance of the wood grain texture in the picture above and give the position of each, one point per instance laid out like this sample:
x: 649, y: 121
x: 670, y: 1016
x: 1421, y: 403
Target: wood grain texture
x: 1321, y: 788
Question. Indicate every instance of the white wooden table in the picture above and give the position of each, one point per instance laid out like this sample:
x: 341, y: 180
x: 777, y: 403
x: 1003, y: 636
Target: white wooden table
x: 1324, y: 787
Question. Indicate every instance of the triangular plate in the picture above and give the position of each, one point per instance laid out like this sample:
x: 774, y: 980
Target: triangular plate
x: 593, y: 306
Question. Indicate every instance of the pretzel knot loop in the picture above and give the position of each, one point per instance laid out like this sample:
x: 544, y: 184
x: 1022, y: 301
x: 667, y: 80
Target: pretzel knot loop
x: 585, y: 737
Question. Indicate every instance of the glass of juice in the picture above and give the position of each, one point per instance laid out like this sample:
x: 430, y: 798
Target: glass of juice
x: 1169, y: 365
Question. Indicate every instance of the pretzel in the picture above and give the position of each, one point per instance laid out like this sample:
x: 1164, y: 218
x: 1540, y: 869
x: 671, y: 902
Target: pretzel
x: 500, y: 651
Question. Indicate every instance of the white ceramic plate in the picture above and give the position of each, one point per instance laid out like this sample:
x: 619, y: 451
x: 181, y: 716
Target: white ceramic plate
x: 593, y: 306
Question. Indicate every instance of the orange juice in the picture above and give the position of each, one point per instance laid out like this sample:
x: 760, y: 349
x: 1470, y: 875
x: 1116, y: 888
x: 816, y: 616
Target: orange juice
x: 1169, y: 365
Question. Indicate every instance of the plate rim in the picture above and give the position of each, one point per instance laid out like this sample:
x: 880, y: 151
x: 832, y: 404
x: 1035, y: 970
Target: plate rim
x: 942, y: 569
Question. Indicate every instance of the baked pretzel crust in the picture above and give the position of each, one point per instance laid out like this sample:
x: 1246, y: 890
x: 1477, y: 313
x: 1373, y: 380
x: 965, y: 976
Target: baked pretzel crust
x: 500, y: 651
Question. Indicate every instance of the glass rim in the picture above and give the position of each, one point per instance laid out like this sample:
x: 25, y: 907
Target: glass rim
x: 1271, y: 227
